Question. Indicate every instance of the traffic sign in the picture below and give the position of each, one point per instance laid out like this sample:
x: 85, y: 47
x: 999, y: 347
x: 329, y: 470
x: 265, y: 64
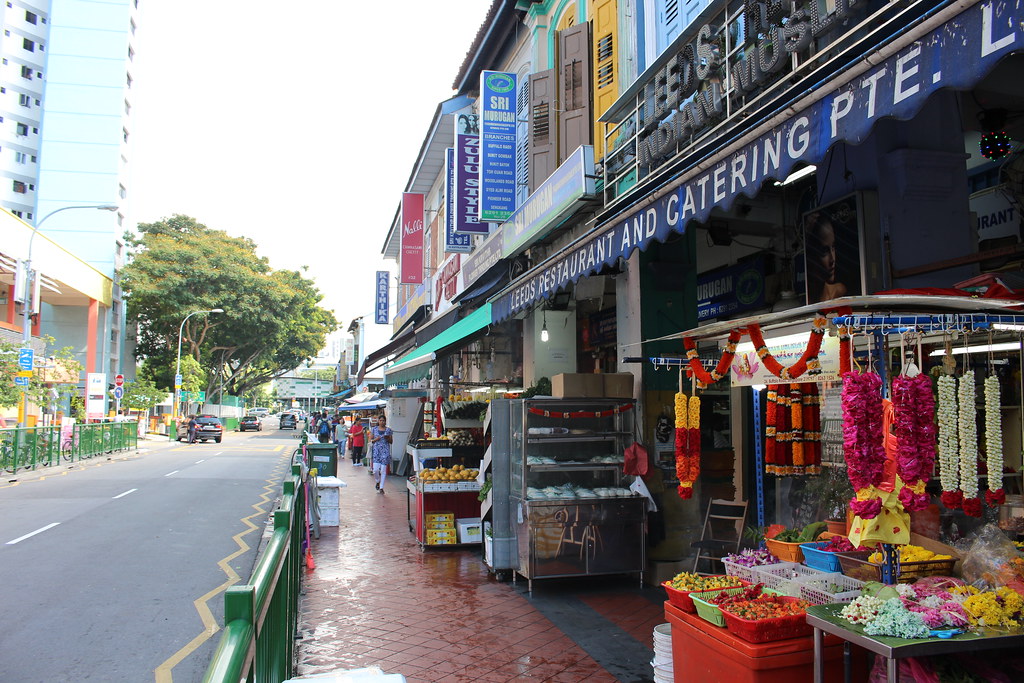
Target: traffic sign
x: 118, y: 380
x: 26, y: 358
x: 177, y: 381
x: 21, y: 381
x: 118, y: 392
x: 23, y: 373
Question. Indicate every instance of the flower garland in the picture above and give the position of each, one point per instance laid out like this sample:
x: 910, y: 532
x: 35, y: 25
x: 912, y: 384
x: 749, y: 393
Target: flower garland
x: 809, y: 359
x: 862, y: 440
x: 949, y: 457
x: 796, y: 421
x: 914, y: 410
x: 994, y: 443
x: 687, y: 410
x: 971, y: 504
x: 771, y: 427
x: 696, y: 368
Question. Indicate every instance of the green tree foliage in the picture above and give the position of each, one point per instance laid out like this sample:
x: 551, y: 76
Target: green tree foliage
x: 142, y: 395
x: 272, y: 320
x: 57, y: 371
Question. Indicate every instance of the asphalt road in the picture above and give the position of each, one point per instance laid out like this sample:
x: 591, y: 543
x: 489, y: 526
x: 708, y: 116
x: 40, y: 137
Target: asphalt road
x: 109, y: 571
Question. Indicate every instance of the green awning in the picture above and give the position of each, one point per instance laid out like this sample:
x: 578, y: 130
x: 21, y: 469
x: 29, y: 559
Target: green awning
x: 416, y: 364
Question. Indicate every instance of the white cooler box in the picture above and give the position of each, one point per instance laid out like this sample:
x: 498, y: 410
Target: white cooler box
x: 469, y: 530
x: 328, y: 491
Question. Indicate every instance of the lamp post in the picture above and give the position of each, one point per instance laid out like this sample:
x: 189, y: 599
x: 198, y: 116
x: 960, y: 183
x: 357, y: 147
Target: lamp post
x: 177, y: 367
x: 29, y: 304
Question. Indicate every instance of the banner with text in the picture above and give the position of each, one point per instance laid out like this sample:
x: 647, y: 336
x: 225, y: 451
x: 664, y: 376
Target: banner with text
x: 467, y: 186
x: 497, y: 145
x: 412, y: 238
x: 454, y: 242
x: 381, y: 317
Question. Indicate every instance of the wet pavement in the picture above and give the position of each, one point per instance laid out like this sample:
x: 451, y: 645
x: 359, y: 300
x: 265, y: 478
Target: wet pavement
x: 376, y: 599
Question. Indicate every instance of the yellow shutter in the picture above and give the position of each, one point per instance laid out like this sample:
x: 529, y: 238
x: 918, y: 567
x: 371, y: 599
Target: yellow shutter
x: 606, y: 65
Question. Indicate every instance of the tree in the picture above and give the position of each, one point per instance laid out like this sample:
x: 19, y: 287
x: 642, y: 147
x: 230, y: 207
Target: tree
x: 272, y: 320
x: 142, y: 395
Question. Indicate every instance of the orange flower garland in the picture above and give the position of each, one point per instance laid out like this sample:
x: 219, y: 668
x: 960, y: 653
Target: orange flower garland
x: 687, y: 411
x: 809, y: 359
x: 704, y: 378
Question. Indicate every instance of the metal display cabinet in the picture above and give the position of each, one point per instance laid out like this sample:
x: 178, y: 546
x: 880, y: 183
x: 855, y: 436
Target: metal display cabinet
x: 573, y: 512
x: 496, y: 511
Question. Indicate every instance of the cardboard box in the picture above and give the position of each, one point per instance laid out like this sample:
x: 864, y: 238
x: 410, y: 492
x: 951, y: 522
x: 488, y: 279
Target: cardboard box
x: 577, y: 385
x: 618, y: 384
x: 435, y: 535
x: 469, y: 529
x: 439, y: 516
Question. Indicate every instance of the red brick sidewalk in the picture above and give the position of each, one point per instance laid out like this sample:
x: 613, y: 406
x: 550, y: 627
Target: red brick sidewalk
x: 375, y: 599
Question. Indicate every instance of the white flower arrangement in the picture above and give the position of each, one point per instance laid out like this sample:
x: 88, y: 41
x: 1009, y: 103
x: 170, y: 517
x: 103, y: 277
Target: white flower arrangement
x: 993, y: 434
x: 863, y: 609
x: 968, y: 436
x: 949, y: 447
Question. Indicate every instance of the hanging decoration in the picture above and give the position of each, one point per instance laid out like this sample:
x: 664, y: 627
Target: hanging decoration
x: 862, y: 440
x: 687, y: 412
x: 809, y: 359
x: 949, y: 445
x: 966, y: 394
x: 793, y: 430
x: 914, y: 422
x: 845, y: 350
x: 696, y: 368
x: 993, y: 442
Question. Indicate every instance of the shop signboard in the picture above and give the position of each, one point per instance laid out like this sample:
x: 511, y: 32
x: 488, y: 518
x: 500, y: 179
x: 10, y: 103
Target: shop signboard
x: 996, y: 213
x: 412, y: 238
x: 446, y: 283
x: 551, y: 203
x: 731, y: 290
x: 497, y: 145
x: 483, y: 257
x: 454, y: 242
x: 748, y: 370
x: 381, y: 306
x: 420, y: 297
x: 466, y: 181
x: 95, y: 395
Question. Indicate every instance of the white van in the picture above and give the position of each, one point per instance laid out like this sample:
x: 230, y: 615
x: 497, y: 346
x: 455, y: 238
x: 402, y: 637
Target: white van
x: 262, y: 412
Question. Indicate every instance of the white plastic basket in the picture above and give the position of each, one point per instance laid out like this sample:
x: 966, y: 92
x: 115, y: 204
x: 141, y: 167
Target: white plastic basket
x: 785, y: 577
x: 740, y: 571
x: 830, y: 589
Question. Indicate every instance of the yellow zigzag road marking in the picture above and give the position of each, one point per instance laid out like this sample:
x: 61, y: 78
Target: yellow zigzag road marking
x: 163, y: 672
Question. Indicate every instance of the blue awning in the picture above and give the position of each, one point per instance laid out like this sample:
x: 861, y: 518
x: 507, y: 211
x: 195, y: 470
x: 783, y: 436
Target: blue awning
x: 366, y: 405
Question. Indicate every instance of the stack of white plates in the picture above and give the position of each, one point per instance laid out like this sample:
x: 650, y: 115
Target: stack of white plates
x: 662, y: 662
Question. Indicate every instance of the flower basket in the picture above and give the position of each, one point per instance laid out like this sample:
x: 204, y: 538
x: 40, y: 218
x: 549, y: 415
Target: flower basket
x: 713, y: 613
x: 785, y: 577
x: 831, y: 589
x: 787, y: 552
x: 856, y: 564
x: 820, y: 559
x: 767, y: 630
x: 682, y: 599
x: 837, y: 526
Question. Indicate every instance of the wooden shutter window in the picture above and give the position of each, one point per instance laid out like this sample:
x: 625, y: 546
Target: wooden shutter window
x: 523, y: 116
x: 575, y: 124
x: 606, y: 86
x: 543, y: 152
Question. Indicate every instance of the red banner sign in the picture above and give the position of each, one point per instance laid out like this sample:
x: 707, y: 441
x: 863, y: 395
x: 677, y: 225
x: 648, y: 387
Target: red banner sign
x: 412, y: 238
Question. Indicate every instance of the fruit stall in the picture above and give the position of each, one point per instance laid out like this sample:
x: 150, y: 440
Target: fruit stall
x: 811, y: 604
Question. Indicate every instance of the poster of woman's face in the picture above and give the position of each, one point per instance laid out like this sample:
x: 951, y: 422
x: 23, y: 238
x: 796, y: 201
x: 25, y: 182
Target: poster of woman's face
x: 467, y: 124
x: 832, y: 251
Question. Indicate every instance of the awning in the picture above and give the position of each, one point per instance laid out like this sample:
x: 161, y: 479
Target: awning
x: 366, y: 405
x: 416, y: 365
x: 399, y: 344
x: 485, y: 286
x: 952, y: 48
x: 343, y: 393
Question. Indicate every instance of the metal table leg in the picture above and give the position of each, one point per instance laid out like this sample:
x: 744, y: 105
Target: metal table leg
x: 892, y: 667
x: 819, y: 656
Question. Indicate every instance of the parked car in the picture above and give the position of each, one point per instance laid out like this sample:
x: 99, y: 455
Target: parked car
x: 207, y: 427
x: 252, y: 422
x: 288, y: 421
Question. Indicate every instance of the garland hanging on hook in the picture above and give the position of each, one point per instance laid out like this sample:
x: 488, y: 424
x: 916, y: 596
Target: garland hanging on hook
x: 696, y: 368
x: 809, y: 359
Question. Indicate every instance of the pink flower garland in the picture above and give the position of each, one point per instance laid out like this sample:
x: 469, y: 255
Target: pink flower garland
x: 914, y: 412
x: 862, y: 439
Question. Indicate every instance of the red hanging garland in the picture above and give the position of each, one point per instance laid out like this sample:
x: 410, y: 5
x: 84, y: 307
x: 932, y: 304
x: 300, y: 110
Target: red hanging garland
x: 696, y: 369
x: 809, y: 359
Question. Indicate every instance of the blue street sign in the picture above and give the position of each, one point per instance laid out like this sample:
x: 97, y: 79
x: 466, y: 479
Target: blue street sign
x: 177, y: 381
x: 21, y: 381
x: 118, y: 393
x: 26, y: 358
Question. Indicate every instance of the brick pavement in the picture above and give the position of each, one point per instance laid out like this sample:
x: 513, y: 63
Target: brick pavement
x: 375, y: 599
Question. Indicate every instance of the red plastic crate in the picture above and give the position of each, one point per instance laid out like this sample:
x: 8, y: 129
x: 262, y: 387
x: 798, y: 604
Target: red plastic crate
x: 766, y: 630
x: 682, y: 600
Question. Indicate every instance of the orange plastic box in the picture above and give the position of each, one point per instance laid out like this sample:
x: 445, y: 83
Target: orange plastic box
x: 713, y: 654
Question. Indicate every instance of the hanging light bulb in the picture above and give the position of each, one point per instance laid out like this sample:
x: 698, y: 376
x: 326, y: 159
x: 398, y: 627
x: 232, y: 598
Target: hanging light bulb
x: 544, y: 329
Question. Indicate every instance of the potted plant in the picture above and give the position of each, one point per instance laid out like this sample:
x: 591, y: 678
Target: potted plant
x: 833, y: 492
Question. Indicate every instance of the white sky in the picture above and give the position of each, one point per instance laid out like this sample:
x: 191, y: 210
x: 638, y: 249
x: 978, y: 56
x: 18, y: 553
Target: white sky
x: 293, y: 124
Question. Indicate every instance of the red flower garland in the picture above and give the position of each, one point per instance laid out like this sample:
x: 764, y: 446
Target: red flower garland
x: 687, y: 411
x: 696, y: 368
x: 807, y: 360
x: 914, y: 413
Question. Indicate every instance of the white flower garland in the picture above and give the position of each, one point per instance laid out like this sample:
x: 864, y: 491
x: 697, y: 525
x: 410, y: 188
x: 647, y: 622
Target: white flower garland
x: 949, y: 448
x: 993, y: 434
x: 968, y: 436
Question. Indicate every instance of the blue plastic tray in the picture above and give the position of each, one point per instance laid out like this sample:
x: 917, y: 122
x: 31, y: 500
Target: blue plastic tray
x: 819, y: 559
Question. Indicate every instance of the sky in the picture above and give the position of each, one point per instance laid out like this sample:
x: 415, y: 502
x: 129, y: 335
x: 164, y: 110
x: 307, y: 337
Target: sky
x: 295, y: 125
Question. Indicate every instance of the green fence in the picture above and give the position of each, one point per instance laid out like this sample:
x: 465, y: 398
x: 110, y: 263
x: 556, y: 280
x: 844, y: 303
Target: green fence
x: 32, y: 447
x: 260, y: 617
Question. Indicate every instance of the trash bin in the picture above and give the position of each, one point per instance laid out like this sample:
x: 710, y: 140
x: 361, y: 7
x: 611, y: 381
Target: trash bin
x: 324, y: 458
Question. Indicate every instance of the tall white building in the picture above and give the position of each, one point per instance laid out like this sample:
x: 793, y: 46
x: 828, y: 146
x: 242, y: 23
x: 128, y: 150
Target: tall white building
x: 65, y: 134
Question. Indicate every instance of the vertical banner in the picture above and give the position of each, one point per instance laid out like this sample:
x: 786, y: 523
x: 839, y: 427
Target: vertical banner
x: 466, y: 199
x: 381, y: 308
x: 95, y: 395
x: 497, y: 145
x: 412, y: 238
x: 454, y: 242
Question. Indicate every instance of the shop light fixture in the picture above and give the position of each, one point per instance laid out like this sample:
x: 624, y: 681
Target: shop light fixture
x: 758, y: 387
x: 1008, y: 327
x: 544, y: 330
x: 983, y: 348
x: 797, y: 175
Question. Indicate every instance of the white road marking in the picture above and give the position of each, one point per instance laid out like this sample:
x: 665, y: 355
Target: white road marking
x: 219, y: 453
x: 199, y: 461
x: 37, y: 531
x: 122, y: 495
x: 170, y: 473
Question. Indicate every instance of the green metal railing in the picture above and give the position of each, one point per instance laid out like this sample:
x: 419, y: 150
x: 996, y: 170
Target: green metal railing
x: 32, y: 447
x: 260, y: 617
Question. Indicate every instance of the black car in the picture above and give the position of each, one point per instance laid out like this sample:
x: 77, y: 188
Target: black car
x: 250, y: 422
x: 207, y: 427
x: 288, y: 421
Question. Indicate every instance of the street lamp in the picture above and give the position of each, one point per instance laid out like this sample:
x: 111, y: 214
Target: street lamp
x: 177, y: 367
x: 28, y: 305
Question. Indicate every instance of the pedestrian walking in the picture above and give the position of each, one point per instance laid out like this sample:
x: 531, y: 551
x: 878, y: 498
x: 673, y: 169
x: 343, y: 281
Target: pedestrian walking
x: 323, y: 429
x: 192, y: 426
x: 380, y: 440
x: 357, y: 438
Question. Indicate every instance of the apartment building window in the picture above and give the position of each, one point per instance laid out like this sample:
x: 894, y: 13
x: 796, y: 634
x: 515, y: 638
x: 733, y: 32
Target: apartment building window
x: 129, y: 80
x: 21, y: 129
x: 30, y: 215
x: 26, y: 72
x: 35, y: 131
x: 127, y: 107
x: 122, y: 192
x: 20, y: 157
x: 30, y: 17
x: 131, y: 53
x: 7, y: 34
x: 28, y: 44
x: 132, y: 23
x: 17, y: 213
x: 19, y: 187
x: 33, y: 158
x: 24, y: 100
x: 124, y: 134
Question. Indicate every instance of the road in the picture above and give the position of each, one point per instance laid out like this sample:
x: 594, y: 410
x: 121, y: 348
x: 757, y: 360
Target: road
x: 115, y: 570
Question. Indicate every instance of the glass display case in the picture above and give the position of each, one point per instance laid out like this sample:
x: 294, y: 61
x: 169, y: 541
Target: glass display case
x: 573, y: 511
